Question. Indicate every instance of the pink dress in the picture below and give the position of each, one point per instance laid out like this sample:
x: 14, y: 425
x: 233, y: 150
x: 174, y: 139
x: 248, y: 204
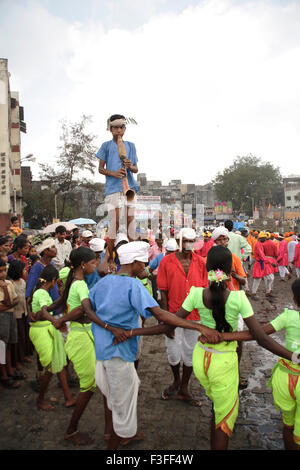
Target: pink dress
x: 263, y: 264
x: 283, y: 258
x: 297, y: 256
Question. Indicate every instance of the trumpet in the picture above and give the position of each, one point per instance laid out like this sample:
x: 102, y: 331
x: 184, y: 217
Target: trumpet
x: 126, y: 190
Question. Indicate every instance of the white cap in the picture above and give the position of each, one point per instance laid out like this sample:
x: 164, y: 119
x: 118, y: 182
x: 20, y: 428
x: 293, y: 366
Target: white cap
x: 220, y: 231
x: 87, y: 234
x: 188, y: 233
x: 97, y: 244
x: 171, y: 245
x: 120, y: 238
x: 133, y: 251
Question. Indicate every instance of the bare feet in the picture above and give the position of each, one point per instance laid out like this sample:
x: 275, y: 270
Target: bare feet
x: 78, y: 438
x: 140, y: 436
x: 187, y: 398
x: 42, y: 405
x: 70, y: 403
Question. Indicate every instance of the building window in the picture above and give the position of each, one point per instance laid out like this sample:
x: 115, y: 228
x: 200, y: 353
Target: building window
x: 288, y: 198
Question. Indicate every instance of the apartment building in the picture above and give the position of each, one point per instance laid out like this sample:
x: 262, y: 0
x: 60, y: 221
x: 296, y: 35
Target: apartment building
x: 11, y: 125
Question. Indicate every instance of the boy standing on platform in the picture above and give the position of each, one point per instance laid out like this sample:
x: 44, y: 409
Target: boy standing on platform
x: 115, y: 169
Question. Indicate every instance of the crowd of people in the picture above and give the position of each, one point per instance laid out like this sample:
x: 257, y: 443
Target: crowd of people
x: 73, y: 298
x: 53, y: 288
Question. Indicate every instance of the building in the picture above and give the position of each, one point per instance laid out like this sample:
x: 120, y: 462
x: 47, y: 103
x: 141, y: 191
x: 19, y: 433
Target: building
x: 292, y: 192
x: 11, y: 124
x: 291, y: 186
x: 188, y: 197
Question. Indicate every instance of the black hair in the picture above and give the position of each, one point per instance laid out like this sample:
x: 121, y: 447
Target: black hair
x: 33, y: 258
x: 116, y: 116
x: 2, y: 263
x: 3, y: 240
x: 48, y: 274
x: 13, y: 219
x: 296, y: 291
x: 219, y: 257
x: 18, y: 244
x: 228, y: 224
x: 15, y: 270
x: 60, y: 229
x: 77, y: 256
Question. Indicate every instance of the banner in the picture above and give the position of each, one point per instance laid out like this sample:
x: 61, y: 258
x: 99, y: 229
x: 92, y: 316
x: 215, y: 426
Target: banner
x: 223, y: 208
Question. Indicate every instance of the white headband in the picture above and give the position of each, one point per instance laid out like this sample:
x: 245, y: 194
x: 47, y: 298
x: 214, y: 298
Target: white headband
x: 115, y: 123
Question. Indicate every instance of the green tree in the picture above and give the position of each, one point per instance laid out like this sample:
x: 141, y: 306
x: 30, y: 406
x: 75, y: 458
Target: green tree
x: 38, y: 207
x: 76, y: 155
x: 249, y: 182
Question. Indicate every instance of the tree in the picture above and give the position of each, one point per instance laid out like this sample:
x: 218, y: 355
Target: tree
x: 76, y: 155
x: 249, y: 182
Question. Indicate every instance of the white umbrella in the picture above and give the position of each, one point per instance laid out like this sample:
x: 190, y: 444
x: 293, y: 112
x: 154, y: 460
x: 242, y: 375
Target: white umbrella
x: 51, y: 228
x: 82, y: 221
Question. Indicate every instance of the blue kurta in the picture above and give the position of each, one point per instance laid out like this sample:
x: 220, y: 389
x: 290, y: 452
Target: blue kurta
x: 109, y: 153
x: 119, y: 300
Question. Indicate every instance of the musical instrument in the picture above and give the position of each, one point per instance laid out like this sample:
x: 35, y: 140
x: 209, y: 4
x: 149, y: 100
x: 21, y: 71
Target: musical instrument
x: 126, y: 190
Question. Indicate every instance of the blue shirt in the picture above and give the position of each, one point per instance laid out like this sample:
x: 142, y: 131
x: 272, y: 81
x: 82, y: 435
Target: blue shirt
x: 109, y: 153
x: 156, y: 261
x: 32, y: 280
x: 92, y: 279
x: 119, y: 300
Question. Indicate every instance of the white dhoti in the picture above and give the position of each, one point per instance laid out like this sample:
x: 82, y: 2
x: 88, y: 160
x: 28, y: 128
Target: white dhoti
x: 119, y: 382
x: 268, y: 280
x: 298, y: 272
x: 283, y: 270
x: 182, y: 346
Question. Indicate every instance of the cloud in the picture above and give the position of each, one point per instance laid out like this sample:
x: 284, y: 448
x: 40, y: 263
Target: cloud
x: 205, y: 84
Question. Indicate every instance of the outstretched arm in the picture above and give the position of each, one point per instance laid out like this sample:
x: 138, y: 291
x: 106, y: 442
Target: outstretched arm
x: 261, y: 335
x: 246, y: 335
x: 170, y: 320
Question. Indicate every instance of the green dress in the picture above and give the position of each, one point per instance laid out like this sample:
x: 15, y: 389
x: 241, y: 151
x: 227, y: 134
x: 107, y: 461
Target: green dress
x: 47, y: 340
x: 80, y: 341
x: 216, y: 366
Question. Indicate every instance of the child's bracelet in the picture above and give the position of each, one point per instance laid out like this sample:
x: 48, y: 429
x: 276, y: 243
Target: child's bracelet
x: 130, y: 333
x: 106, y: 325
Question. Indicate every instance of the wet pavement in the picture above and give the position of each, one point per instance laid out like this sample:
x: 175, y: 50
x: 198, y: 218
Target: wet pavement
x: 169, y: 425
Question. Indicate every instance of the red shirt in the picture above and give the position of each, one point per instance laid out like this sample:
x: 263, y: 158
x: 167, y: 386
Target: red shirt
x: 297, y: 256
x: 172, y: 278
x: 205, y: 248
x: 270, y: 249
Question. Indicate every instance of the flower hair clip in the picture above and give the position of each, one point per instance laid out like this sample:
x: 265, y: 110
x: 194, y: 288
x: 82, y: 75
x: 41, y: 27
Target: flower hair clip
x: 217, y: 276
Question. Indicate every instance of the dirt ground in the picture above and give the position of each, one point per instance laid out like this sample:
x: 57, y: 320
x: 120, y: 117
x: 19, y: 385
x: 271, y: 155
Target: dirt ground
x: 169, y: 425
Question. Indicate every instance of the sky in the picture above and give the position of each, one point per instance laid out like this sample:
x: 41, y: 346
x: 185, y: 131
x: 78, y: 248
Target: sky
x: 206, y: 80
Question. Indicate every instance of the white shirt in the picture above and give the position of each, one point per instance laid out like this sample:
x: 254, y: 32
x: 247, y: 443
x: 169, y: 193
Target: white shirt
x: 291, y: 250
x: 63, y: 251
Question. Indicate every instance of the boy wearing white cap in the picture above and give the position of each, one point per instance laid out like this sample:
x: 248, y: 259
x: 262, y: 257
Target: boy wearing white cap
x: 115, y: 373
x: 177, y: 273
